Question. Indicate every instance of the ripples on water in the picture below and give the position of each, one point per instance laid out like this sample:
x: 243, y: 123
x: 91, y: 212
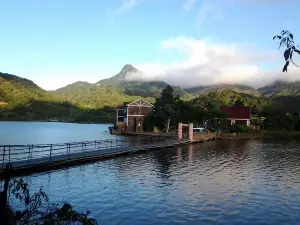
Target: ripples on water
x: 223, y: 182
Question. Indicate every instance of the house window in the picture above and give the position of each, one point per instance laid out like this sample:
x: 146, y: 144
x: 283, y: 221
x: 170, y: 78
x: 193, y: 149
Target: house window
x: 232, y: 122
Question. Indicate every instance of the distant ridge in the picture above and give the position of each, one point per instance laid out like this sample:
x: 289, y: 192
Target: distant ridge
x: 221, y: 87
x: 281, y: 88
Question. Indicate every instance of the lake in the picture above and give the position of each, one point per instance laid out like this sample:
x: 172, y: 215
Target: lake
x: 218, y: 182
x: 50, y: 132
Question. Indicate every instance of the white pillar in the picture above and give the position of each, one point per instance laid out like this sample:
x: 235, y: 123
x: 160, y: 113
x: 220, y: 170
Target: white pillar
x: 117, y: 117
x: 191, y: 133
x: 180, y: 131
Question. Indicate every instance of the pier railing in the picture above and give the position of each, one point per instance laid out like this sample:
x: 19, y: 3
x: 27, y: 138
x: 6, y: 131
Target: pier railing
x: 38, y: 153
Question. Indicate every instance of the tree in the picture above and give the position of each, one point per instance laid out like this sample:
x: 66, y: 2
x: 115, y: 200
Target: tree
x: 287, y: 40
x: 36, y: 210
x: 164, y: 107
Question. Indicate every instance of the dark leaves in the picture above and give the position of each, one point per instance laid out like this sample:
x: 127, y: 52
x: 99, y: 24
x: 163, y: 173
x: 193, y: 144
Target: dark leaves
x: 285, y: 67
x: 282, y: 42
x: 277, y: 36
x: 287, y: 54
x: 37, y: 212
x: 286, y: 40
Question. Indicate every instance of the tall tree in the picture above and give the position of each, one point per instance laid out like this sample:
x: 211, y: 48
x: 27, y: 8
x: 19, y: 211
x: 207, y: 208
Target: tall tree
x: 164, y: 107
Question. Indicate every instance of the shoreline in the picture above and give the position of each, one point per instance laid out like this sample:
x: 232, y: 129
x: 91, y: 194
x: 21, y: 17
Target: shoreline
x: 59, y: 121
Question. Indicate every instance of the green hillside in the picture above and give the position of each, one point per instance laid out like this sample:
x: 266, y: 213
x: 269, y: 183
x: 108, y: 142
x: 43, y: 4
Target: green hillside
x: 21, y: 99
x: 281, y: 88
x: 88, y: 95
x: 230, y: 98
x: 202, y: 90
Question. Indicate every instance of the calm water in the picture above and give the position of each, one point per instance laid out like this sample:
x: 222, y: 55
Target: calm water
x: 50, y: 133
x: 222, y: 182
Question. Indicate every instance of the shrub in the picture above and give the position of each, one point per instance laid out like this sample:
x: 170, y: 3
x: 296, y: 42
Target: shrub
x: 239, y: 128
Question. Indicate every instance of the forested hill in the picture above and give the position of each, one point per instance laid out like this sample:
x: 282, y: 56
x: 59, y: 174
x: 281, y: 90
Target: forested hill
x: 18, y: 81
x: 281, y: 88
x: 202, y: 90
x: 15, y: 90
x: 229, y: 98
x: 22, y: 99
x: 89, y: 95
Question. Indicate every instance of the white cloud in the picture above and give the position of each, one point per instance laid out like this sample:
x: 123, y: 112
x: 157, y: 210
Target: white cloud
x: 209, y: 62
x: 54, y: 78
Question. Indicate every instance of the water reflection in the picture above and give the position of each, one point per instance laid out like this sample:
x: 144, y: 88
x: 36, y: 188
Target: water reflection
x: 179, y: 154
x: 223, y: 182
x: 190, y: 152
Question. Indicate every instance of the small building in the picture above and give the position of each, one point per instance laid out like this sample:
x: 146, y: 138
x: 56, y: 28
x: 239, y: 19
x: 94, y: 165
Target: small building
x: 237, y: 114
x: 130, y: 115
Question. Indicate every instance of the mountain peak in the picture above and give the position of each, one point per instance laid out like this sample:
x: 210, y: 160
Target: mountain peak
x: 128, y: 68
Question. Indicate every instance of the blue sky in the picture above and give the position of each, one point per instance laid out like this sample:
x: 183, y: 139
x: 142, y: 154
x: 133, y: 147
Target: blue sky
x: 57, y: 42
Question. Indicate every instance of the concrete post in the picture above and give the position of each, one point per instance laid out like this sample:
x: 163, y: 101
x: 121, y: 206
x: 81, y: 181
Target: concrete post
x: 191, y: 134
x: 180, y: 131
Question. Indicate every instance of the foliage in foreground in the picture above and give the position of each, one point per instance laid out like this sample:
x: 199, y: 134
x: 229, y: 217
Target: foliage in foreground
x: 287, y: 40
x: 35, y: 209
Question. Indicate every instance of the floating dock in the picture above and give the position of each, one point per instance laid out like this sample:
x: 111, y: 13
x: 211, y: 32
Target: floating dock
x: 28, y: 159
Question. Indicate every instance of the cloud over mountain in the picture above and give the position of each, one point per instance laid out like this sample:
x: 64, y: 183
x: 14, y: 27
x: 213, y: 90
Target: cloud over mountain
x: 206, y: 61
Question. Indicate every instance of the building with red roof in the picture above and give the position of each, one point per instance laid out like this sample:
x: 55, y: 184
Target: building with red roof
x: 237, y: 114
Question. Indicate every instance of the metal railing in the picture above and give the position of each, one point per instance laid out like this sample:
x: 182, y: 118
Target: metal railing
x: 38, y: 153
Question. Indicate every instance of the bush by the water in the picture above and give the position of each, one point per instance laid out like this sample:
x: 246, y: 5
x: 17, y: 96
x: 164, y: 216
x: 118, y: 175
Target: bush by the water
x: 239, y: 128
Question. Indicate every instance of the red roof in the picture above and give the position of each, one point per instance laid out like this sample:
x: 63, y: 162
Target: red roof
x: 237, y: 112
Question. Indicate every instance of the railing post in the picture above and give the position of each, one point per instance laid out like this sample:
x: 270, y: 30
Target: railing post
x: 28, y: 154
x: 3, y: 153
x: 84, y: 148
x: 51, y: 151
x: 9, y: 153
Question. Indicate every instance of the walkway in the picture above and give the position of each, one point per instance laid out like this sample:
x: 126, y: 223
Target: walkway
x: 36, y: 157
